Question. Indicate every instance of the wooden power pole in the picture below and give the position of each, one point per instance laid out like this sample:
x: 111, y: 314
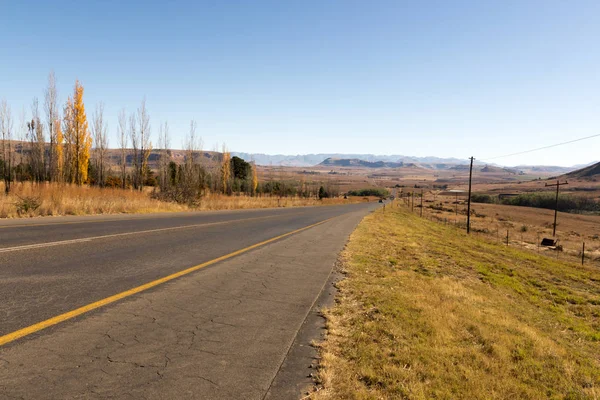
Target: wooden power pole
x: 469, y: 200
x: 558, y: 185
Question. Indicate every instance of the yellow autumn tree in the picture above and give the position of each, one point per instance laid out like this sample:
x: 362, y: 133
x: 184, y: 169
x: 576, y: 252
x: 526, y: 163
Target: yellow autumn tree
x: 254, y: 178
x: 226, y: 170
x: 77, y: 136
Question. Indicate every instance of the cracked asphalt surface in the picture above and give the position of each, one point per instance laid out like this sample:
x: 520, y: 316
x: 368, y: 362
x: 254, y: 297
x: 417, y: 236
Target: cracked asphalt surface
x: 222, y: 332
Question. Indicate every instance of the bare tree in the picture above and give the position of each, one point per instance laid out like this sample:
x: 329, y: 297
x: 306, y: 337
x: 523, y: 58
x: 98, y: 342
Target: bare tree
x: 52, y: 119
x: 68, y: 171
x: 145, y: 144
x: 99, y: 133
x: 135, y: 146
x: 7, y: 155
x: 215, y: 169
x: 19, y: 175
x: 164, y: 142
x: 192, y: 148
x: 226, y: 177
x: 191, y: 181
x: 38, y: 143
x: 123, y: 145
x: 192, y: 145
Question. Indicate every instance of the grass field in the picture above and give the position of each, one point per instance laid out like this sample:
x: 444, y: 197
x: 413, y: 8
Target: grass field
x: 48, y: 199
x: 426, y: 312
x: 526, y: 226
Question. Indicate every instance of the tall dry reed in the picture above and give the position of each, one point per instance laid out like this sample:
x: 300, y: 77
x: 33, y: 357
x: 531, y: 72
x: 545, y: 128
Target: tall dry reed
x: 28, y: 199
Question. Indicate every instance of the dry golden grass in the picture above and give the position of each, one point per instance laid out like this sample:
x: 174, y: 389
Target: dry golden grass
x: 48, y: 199
x: 427, y: 312
x: 526, y: 226
x: 222, y: 202
x: 66, y: 199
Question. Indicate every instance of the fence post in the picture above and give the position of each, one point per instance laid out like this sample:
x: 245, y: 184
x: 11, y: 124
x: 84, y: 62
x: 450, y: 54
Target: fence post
x: 507, y: 237
x: 583, y: 254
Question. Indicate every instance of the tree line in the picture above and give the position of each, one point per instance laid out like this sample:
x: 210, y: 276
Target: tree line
x: 56, y: 148
x: 566, y: 202
x: 61, y: 144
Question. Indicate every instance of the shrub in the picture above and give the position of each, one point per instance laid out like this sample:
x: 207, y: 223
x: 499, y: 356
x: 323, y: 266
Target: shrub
x: 26, y: 204
x: 483, y: 198
x: 378, y: 192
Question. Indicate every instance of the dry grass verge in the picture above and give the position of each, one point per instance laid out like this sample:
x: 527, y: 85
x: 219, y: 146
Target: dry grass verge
x: 45, y: 199
x: 427, y: 312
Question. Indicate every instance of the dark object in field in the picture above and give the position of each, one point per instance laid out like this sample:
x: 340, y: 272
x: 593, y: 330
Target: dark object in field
x: 381, y: 200
x: 549, y: 242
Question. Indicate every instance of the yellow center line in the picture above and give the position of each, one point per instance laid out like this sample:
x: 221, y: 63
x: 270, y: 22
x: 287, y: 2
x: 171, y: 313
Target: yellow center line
x: 10, y: 337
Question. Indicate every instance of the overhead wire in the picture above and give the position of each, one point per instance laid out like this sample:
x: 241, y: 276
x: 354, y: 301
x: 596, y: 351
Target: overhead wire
x: 542, y: 148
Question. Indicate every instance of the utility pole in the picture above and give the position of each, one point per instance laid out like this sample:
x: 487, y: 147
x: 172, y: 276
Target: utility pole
x: 469, y: 200
x: 421, y: 203
x: 558, y: 185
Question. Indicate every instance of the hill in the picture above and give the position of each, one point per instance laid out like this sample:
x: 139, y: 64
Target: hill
x: 178, y: 156
x: 545, y: 169
x: 355, y: 162
x: 593, y: 171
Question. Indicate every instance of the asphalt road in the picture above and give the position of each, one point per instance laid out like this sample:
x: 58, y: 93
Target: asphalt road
x: 220, y: 332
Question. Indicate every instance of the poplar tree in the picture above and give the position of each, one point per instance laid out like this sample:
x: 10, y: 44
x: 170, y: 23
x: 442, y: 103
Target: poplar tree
x: 77, y: 136
x: 51, y: 107
x: 100, y: 136
x: 254, y: 179
x: 226, y: 170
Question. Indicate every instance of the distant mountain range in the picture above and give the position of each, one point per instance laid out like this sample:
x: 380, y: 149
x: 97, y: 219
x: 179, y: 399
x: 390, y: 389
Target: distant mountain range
x: 310, y: 160
x: 394, y: 161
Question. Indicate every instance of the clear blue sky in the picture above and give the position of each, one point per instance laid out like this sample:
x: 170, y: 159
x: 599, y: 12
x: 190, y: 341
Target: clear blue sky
x: 444, y: 78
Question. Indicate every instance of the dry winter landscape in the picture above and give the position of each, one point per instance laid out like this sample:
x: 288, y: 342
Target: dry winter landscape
x: 300, y: 200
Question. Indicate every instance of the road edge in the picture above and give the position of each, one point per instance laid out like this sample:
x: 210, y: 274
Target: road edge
x: 296, y: 375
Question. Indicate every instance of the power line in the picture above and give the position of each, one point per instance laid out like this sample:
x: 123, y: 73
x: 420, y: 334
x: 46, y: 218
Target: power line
x: 543, y: 148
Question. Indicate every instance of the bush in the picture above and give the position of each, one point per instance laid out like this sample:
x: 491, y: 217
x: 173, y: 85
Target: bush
x: 378, y: 192
x: 322, y: 193
x: 483, y: 198
x: 26, y: 204
x: 524, y: 228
